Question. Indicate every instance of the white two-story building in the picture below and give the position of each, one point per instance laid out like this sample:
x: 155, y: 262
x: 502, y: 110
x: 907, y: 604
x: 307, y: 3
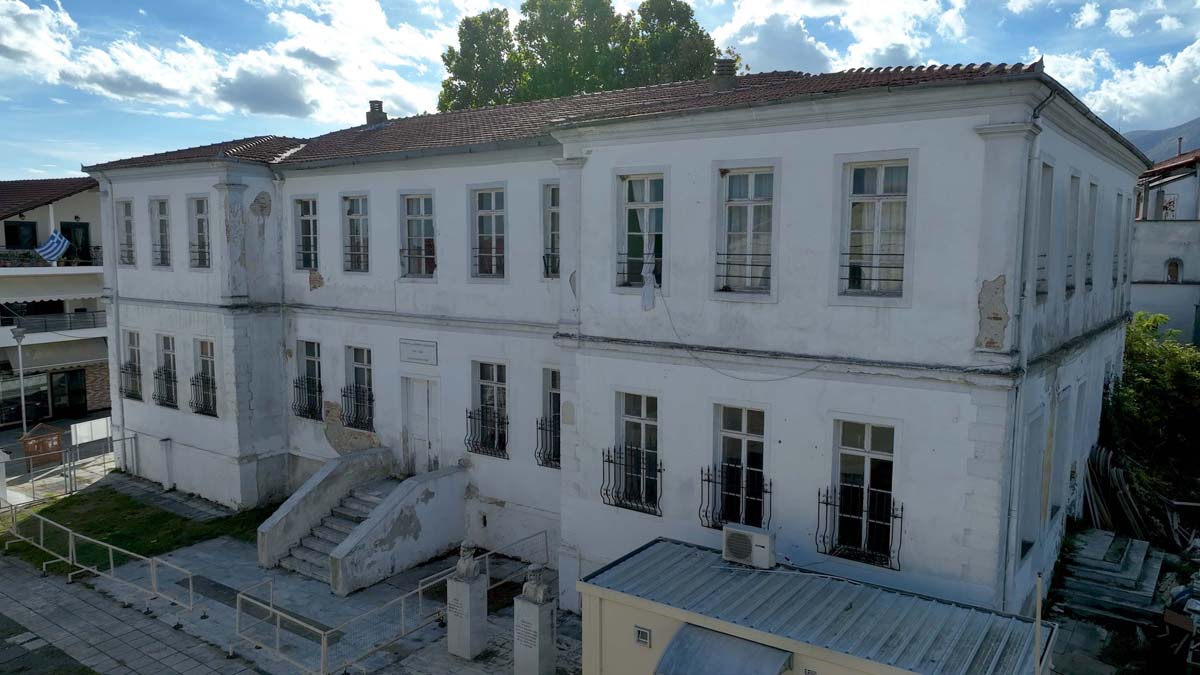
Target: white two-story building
x: 1166, y: 243
x: 872, y: 312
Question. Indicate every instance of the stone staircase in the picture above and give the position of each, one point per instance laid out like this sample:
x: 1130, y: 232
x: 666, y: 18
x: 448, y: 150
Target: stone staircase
x: 311, y: 556
x: 1111, y: 576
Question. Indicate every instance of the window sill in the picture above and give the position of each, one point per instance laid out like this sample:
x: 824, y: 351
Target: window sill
x: 866, y: 299
x: 731, y: 295
x: 487, y: 280
x: 637, y: 290
x: 864, y: 557
x: 430, y: 279
x: 364, y: 273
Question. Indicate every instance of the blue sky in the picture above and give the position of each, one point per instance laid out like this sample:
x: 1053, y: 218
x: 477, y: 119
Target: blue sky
x: 84, y: 81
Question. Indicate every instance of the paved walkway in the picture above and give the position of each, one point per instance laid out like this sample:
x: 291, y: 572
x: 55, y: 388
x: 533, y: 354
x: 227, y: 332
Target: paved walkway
x: 69, y: 624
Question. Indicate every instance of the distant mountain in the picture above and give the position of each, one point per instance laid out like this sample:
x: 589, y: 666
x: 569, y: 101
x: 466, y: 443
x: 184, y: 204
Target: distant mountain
x: 1163, y: 143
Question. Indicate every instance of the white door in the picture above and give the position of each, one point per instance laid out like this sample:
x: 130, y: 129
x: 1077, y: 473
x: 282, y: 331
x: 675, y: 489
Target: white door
x: 419, y: 423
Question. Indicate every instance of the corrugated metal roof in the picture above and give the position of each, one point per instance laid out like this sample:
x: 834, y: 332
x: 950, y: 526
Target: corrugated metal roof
x: 913, y: 632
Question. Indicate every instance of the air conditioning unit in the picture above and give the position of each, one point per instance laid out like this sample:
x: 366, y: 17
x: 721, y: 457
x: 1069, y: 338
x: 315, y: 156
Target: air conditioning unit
x: 748, y: 545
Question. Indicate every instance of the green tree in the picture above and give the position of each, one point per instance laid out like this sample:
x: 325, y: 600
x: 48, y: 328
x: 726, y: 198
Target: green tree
x: 667, y: 45
x: 569, y: 47
x: 486, y: 68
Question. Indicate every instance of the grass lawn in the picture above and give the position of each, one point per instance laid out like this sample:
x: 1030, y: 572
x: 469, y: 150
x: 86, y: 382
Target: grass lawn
x: 122, y: 521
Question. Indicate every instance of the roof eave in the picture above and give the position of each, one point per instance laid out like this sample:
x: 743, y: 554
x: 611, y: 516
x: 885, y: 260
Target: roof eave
x: 540, y: 140
x: 41, y: 203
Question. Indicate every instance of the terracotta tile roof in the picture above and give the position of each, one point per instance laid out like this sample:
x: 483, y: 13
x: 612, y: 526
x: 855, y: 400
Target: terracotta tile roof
x: 18, y: 196
x: 254, y: 148
x: 1178, y: 161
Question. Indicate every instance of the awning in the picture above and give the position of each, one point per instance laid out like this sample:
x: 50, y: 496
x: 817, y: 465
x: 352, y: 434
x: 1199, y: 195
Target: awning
x: 699, y: 651
x: 42, y: 283
x: 59, y: 354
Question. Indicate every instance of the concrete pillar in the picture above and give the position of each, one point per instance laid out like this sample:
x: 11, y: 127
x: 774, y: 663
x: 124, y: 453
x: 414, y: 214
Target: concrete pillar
x: 570, y: 213
x: 234, y: 286
x: 466, y: 606
x: 534, y: 651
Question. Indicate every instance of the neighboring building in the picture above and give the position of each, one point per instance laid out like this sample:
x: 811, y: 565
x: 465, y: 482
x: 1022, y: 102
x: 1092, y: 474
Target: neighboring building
x: 1166, y: 243
x: 873, y: 312
x: 58, y: 304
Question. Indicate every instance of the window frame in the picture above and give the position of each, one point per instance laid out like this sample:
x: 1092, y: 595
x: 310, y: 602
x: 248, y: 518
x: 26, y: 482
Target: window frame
x: 719, y: 224
x: 842, y: 177
x: 156, y: 231
x: 200, y: 360
x: 868, y: 421
x: 619, y: 225
x: 473, y: 213
x: 126, y: 233
x: 1178, y: 271
x: 353, y: 366
x: 744, y: 437
x: 299, y: 236
x: 642, y: 420
x: 1071, y: 271
x: 345, y: 218
x: 194, y: 218
x: 303, y: 358
x: 402, y: 235
x: 1089, y: 232
x: 551, y: 232
x: 131, y: 352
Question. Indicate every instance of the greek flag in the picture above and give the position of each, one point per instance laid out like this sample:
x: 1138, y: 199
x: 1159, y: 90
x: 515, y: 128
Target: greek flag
x: 54, y: 248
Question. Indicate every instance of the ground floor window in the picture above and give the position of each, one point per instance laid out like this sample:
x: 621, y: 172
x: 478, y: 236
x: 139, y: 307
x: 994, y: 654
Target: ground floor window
x: 860, y: 516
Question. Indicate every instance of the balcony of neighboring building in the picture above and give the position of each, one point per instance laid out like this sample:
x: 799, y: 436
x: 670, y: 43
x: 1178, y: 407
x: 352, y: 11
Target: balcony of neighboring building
x: 49, y: 321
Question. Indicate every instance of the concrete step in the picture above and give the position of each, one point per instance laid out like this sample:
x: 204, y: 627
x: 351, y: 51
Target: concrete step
x: 340, y: 524
x: 328, y: 534
x: 351, y: 514
x: 311, y: 556
x: 1099, y: 613
x: 357, y: 504
x: 1128, y: 575
x: 322, y: 546
x: 1089, y: 589
x: 1138, y: 612
x: 307, y: 569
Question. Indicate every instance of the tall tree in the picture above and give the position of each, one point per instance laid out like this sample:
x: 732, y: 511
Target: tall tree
x: 486, y: 68
x: 569, y: 46
x: 667, y: 45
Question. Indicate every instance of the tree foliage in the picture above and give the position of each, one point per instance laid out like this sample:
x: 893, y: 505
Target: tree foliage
x: 564, y: 47
x: 1152, y: 414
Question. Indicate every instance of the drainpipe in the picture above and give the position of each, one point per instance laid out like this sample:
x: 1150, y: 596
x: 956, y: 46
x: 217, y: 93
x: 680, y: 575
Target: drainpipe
x: 116, y: 313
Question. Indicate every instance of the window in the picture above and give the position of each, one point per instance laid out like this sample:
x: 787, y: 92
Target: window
x: 307, y: 392
x: 125, y: 245
x: 1089, y: 234
x: 1117, y: 234
x: 160, y: 219
x: 1174, y: 265
x: 632, y: 472
x: 356, y: 226
x: 487, y: 260
x: 201, y: 245
x: 306, y: 234
x: 641, y: 247
x: 550, y: 230
x: 131, y: 369
x: 861, y: 518
x: 1030, y: 512
x: 164, y: 375
x: 1045, y: 225
x: 1073, y: 214
x: 549, y: 444
x: 1169, y: 203
x: 204, y: 383
x: 873, y: 242
x: 744, y: 242
x: 487, y: 422
x: 419, y: 257
x: 735, y: 490
x: 358, y: 396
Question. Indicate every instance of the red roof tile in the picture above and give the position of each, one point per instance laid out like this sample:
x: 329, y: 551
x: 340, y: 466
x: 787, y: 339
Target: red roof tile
x: 18, y: 196
x: 254, y: 148
x: 1165, y: 166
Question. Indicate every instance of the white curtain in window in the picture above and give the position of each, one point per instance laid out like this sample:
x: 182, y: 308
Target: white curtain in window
x: 647, y: 260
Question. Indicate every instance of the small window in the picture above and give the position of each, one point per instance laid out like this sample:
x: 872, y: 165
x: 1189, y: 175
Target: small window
x: 549, y: 445
x: 744, y: 242
x: 1118, y: 232
x: 487, y: 254
x: 1045, y: 225
x: 201, y: 243
x: 550, y: 230
x: 306, y: 234
x: 160, y: 220
x: 131, y: 369
x: 641, y: 636
x: 1073, y: 215
x: 1174, y: 270
x: 641, y: 247
x: 872, y: 258
x: 419, y: 256
x: 125, y: 235
x: 357, y: 238
x: 1089, y: 234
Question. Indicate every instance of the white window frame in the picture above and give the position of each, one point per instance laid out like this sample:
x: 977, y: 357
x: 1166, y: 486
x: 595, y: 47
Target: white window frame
x: 623, y: 179
x: 307, y: 232
x: 360, y: 364
x: 722, y: 171
x: 160, y: 225
x: 356, y: 231
x: 1074, y: 213
x: 126, y: 234
x: 199, y: 231
x: 427, y: 213
x: 843, y: 174
x: 867, y: 454
x: 744, y: 437
x: 133, y: 348
x: 165, y: 359
x: 498, y: 241
x: 1118, y: 228
x: 1044, y: 234
x: 642, y: 420
x: 308, y: 364
x: 551, y: 229
x: 205, y: 363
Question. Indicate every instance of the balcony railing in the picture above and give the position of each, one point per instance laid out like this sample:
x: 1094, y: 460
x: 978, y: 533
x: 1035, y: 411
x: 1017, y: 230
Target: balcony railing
x: 127, y: 255
x: 43, y: 323
x: 165, y: 392
x: 356, y: 258
x: 306, y: 397
x: 87, y: 256
x: 1070, y: 273
x: 358, y: 407
x: 201, y: 256
x: 860, y: 524
x: 131, y: 381
x: 1041, y: 276
x: 487, y: 432
x: 550, y: 263
x: 730, y: 493
x: 160, y: 254
x: 204, y: 395
x: 629, y: 272
x: 418, y: 263
x: 487, y: 263
x: 744, y: 272
x: 632, y: 479
x: 549, y: 442
x: 306, y: 258
x: 871, y: 273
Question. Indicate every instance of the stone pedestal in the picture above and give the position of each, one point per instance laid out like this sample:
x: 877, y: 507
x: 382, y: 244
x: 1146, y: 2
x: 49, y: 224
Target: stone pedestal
x: 534, y: 651
x: 466, y: 607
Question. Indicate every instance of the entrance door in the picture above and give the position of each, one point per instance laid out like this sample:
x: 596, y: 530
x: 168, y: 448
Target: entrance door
x: 420, y: 423
x: 80, y: 238
x: 20, y: 235
x: 68, y: 393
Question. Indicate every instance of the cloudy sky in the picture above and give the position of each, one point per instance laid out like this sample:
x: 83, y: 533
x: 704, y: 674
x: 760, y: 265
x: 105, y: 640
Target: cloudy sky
x: 83, y: 81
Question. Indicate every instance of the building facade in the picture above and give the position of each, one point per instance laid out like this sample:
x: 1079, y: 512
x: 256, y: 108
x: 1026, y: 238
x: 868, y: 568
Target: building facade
x: 870, y: 312
x: 56, y: 304
x: 1166, y: 243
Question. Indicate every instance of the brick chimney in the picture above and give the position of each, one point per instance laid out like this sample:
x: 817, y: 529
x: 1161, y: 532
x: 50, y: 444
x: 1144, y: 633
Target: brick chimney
x: 375, y: 114
x: 724, y: 74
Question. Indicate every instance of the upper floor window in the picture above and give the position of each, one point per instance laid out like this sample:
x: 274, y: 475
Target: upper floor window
x: 356, y: 234
x: 306, y: 234
x: 1174, y: 270
x: 641, y: 246
x: 744, y: 242
x: 1073, y: 215
x: 419, y: 256
x: 1045, y: 226
x: 1118, y: 233
x: 872, y: 258
x: 160, y: 222
x: 1089, y: 233
x: 487, y: 255
x: 201, y: 243
x: 860, y: 517
x: 550, y: 231
x: 125, y: 234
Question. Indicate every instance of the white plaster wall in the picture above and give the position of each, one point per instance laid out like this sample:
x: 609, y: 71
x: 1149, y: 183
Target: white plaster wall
x: 1187, y: 203
x: 1155, y: 242
x: 85, y: 205
x: 1177, y: 301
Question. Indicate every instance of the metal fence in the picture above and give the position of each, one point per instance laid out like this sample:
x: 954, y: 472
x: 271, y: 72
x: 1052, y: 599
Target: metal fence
x: 27, y: 478
x: 42, y: 323
x: 329, y: 650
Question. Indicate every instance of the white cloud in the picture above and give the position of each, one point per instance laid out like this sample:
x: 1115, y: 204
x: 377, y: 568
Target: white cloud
x: 1140, y: 96
x: 1121, y: 21
x: 1019, y: 6
x: 758, y: 46
x: 35, y: 43
x: 141, y: 11
x: 951, y: 23
x: 1087, y: 15
x: 1077, y: 71
x: 1169, y: 23
x: 59, y: 101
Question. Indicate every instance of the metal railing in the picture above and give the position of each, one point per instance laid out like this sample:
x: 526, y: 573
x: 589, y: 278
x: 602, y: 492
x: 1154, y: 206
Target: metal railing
x: 126, y: 255
x: 59, y: 472
x: 45, y: 323
x: 549, y: 442
x: 306, y: 258
x: 204, y: 395
x: 307, y: 397
x: 200, y: 256
x: 743, y: 272
x: 550, y: 260
x: 418, y: 263
x: 871, y: 273
x: 487, y: 432
x: 160, y: 254
x: 632, y: 479
x: 165, y: 390
x: 131, y: 381
x: 87, y: 256
x: 732, y: 493
x: 358, y: 407
x: 860, y: 523
x: 629, y: 271
x: 487, y: 263
x: 356, y: 258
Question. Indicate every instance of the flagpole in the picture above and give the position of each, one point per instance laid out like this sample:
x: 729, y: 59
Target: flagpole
x: 18, y: 334
x: 53, y: 229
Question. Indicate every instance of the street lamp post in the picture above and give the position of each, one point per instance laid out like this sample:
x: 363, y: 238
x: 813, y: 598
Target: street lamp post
x: 18, y: 334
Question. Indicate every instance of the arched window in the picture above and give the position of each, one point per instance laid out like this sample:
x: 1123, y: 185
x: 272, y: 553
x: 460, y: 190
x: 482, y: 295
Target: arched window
x: 1174, y: 270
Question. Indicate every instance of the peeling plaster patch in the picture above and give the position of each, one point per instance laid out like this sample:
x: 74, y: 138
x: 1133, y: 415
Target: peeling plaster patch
x: 343, y: 439
x: 315, y: 280
x: 426, y: 495
x: 288, y: 353
x: 473, y: 493
x: 406, y: 524
x: 993, y: 315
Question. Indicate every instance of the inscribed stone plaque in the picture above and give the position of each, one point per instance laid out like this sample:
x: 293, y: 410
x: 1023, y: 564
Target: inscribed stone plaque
x: 418, y: 351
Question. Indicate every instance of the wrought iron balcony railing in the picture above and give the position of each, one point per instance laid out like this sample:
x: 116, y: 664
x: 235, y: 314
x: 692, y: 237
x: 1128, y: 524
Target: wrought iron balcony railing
x: 357, y: 258
x: 131, y: 381
x: 632, y: 479
x: 161, y: 254
x: 165, y: 390
x: 871, y: 273
x: 629, y: 271
x: 860, y: 524
x: 43, y: 323
x: 731, y: 493
x: 487, y: 432
x: 204, y: 395
x: 417, y: 263
x: 358, y: 407
x: 487, y: 263
x: 75, y: 256
x: 549, y: 442
x: 201, y: 256
x: 744, y: 272
x: 550, y: 263
x: 306, y: 397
